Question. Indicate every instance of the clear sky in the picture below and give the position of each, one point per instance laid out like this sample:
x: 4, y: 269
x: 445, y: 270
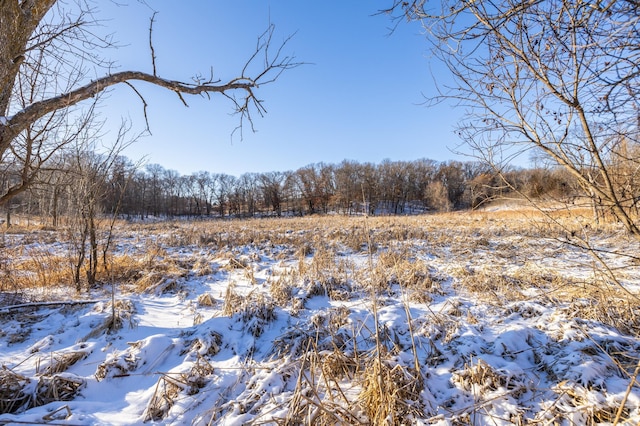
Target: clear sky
x: 358, y: 98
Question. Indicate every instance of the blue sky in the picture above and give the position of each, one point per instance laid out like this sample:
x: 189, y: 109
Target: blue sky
x: 358, y: 98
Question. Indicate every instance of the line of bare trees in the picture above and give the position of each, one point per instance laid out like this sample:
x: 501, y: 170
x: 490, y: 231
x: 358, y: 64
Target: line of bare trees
x: 117, y: 187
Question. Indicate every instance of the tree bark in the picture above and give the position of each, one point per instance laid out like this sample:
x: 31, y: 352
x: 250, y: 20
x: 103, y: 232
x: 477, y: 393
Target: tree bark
x: 12, y: 126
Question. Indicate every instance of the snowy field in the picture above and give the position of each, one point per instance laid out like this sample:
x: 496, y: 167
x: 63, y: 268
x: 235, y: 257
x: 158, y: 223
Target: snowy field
x: 483, y: 319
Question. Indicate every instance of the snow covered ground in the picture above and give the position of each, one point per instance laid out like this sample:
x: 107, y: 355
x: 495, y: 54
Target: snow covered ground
x: 483, y: 319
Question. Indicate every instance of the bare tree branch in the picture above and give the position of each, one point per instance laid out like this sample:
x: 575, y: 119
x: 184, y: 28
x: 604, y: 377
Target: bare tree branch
x: 47, y: 54
x: 153, y: 52
x: 556, y: 77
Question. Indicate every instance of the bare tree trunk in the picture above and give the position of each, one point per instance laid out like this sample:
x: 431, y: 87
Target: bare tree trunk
x: 54, y: 207
x: 93, y: 242
x: 595, y: 207
x: 8, y: 216
x: 80, y: 257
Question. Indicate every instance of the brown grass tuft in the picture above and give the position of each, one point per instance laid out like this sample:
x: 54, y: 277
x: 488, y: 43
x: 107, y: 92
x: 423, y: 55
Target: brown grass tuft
x: 232, y: 300
x: 57, y: 388
x: 206, y: 299
x: 171, y: 385
x: 12, y: 391
x: 17, y: 393
x: 58, y: 363
x: 206, y: 345
x: 119, y: 363
x: 390, y: 394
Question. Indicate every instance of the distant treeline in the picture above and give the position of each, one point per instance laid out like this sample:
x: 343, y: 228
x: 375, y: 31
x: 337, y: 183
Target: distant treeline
x: 391, y: 187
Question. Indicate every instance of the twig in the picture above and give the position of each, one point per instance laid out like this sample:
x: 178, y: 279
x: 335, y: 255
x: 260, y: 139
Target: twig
x: 153, y: 52
x: 626, y: 395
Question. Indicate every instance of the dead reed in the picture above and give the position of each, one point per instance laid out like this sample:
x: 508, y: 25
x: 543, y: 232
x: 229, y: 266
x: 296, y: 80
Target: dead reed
x: 346, y: 363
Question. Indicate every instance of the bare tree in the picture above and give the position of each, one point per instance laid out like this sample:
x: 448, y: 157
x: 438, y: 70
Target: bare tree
x: 348, y: 191
x: 558, y: 78
x: 316, y: 186
x: 52, y: 73
x: 436, y: 196
x: 201, y: 187
x: 271, y: 185
x: 90, y: 231
x: 156, y: 188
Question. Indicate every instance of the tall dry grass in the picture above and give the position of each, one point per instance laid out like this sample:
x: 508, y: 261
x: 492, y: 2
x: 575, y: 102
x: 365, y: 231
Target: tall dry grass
x: 346, y: 370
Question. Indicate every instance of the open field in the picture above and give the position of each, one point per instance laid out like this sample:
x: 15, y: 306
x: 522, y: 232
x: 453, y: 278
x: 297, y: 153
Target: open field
x: 485, y: 318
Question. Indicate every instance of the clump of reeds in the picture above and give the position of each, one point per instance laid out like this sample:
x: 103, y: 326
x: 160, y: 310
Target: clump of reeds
x: 14, y: 392
x: 585, y: 406
x: 390, y: 393
x: 119, y: 364
x: 59, y: 362
x: 171, y: 385
x: 203, y: 267
x: 17, y: 392
x: 123, y: 268
x: 293, y: 343
x: 208, y: 344
x: 206, y: 299
x: 255, y: 309
x: 232, y: 300
x: 58, y: 387
x: 158, y: 272
x: 319, y: 396
x: 482, y: 378
x: 167, y: 390
x: 240, y: 262
x: 333, y: 287
x: 256, y: 312
x: 281, y: 289
x: 120, y: 312
x: 158, y: 283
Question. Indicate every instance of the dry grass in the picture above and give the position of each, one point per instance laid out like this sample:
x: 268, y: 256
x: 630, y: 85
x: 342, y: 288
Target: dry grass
x: 343, y: 372
x: 59, y: 362
x: 232, y: 300
x: 17, y: 393
x: 206, y: 299
x: 171, y: 386
x: 12, y: 391
x: 119, y: 363
x: 331, y: 369
x: 391, y: 394
x: 207, y: 345
x: 38, y: 268
x: 57, y: 388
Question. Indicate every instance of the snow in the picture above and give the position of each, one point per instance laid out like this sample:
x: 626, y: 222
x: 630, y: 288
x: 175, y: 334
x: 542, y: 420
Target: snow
x: 491, y: 347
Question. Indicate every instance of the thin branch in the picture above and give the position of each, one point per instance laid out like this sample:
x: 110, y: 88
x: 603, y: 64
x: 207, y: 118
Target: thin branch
x: 153, y: 52
x: 144, y: 105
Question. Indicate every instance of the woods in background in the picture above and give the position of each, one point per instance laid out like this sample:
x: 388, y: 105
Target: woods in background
x: 391, y: 187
